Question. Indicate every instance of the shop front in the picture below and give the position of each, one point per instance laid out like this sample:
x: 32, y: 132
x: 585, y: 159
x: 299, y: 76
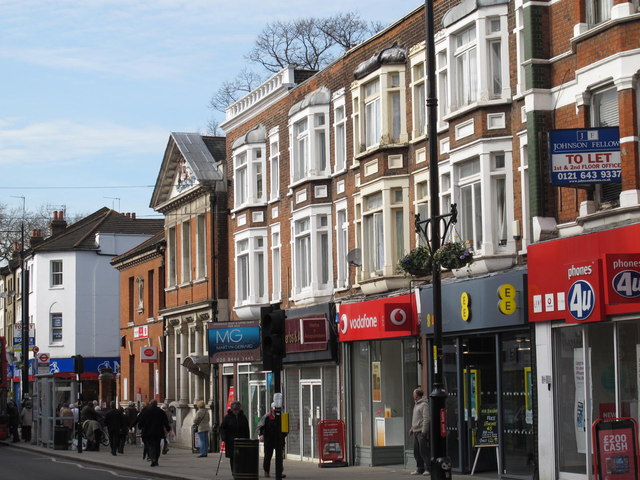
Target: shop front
x: 310, y: 377
x: 584, y: 297
x: 380, y: 368
x: 488, y: 361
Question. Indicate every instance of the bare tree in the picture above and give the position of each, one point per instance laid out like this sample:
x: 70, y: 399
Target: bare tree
x: 347, y: 29
x: 230, y: 91
x: 13, y: 224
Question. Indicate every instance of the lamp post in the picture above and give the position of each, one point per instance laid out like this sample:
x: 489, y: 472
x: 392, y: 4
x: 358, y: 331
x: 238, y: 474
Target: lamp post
x: 440, y: 464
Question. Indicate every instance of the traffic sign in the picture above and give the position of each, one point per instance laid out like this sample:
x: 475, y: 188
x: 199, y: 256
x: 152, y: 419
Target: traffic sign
x: 43, y: 359
x: 35, y: 350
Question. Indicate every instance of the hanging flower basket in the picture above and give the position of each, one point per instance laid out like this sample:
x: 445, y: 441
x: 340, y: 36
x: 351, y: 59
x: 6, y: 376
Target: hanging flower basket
x: 453, y: 255
x: 417, y: 262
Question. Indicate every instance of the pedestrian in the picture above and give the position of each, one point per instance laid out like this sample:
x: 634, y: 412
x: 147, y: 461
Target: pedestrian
x: 26, y: 416
x: 131, y: 412
x: 14, y: 420
x: 420, y: 423
x: 91, y: 427
x: 154, y: 425
x: 124, y: 430
x: 165, y: 440
x: 268, y: 433
x: 235, y: 425
x: 202, y: 425
x: 66, y: 418
x: 114, y: 420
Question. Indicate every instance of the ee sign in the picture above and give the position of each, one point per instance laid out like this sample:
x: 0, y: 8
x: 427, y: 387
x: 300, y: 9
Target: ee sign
x: 582, y: 156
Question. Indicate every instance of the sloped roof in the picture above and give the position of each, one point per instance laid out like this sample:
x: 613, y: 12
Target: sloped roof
x: 81, y: 235
x: 150, y: 245
x: 202, y: 155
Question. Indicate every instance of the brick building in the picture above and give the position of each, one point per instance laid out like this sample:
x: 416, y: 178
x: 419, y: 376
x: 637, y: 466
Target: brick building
x: 142, y: 359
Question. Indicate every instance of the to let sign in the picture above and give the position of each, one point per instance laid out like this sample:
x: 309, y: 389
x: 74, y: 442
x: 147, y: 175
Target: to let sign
x: 140, y: 332
x: 581, y: 156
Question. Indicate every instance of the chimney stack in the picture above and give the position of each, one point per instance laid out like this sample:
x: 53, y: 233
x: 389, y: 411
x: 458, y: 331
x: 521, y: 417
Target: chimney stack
x: 58, y: 224
x: 36, y: 238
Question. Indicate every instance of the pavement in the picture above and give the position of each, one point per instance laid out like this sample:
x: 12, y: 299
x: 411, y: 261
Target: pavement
x: 180, y: 464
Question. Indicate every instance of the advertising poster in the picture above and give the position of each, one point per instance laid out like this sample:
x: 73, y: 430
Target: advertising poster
x: 579, y: 401
x: 376, y: 381
x: 331, y: 440
x: 616, y: 450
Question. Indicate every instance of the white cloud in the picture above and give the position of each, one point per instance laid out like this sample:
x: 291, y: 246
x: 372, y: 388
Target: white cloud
x: 63, y: 142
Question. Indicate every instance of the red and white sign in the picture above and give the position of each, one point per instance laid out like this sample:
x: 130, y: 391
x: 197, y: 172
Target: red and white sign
x: 140, y: 332
x: 374, y: 319
x: 43, y: 359
x: 148, y: 354
x: 585, y: 278
x: 35, y: 350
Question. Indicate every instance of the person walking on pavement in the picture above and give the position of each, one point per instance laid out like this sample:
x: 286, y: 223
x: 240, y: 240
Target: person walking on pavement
x: 420, y: 423
x: 113, y: 420
x: 202, y: 425
x: 234, y: 425
x: 268, y: 433
x: 124, y: 430
x: 91, y: 427
x: 131, y: 412
x: 154, y: 424
x: 14, y: 420
x: 26, y: 416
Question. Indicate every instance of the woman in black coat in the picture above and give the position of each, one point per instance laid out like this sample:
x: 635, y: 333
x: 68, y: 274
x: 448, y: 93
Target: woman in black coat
x: 235, y: 425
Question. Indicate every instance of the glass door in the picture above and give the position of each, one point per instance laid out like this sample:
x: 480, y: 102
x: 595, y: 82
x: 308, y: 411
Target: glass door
x: 311, y: 413
x: 257, y: 404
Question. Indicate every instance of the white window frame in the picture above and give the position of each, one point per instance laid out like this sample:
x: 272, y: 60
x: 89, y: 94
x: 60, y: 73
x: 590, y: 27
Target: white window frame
x: 317, y: 281
x: 57, y: 329
x: 309, y: 147
x: 274, y: 167
x: 276, y: 264
x: 598, y: 11
x: 140, y: 293
x: 250, y: 246
x: 201, y: 246
x: 342, y: 244
x: 523, y: 170
x: 185, y: 250
x: 373, y: 116
x: 172, y: 277
x: 382, y: 250
x: 340, y: 135
x: 57, y: 275
x: 249, y: 167
x: 419, y: 94
x: 421, y: 200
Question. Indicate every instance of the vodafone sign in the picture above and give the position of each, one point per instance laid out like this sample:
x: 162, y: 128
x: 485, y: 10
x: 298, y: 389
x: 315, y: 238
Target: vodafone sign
x: 375, y: 319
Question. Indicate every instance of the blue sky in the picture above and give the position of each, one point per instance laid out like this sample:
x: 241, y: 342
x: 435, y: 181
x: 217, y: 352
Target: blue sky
x: 90, y: 89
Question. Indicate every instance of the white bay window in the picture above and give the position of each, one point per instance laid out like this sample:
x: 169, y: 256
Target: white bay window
x: 251, y: 267
x: 249, y: 167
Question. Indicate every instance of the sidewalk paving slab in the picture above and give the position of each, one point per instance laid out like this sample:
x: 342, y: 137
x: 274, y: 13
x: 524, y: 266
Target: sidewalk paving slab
x: 181, y: 464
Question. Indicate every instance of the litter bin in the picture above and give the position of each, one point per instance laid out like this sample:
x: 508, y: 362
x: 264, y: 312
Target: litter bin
x: 4, y: 427
x: 245, y: 459
x: 60, y: 438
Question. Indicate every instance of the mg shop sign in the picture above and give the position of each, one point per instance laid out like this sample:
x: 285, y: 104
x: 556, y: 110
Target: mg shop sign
x: 377, y: 319
x: 230, y: 342
x: 585, y: 156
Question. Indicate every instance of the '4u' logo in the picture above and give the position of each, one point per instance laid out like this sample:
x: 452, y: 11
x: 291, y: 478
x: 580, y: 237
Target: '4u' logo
x: 627, y: 283
x: 582, y: 300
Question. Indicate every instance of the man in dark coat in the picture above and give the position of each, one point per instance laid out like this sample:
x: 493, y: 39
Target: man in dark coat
x: 154, y: 425
x: 14, y: 420
x: 235, y: 425
x: 131, y: 412
x: 113, y: 420
x: 268, y: 433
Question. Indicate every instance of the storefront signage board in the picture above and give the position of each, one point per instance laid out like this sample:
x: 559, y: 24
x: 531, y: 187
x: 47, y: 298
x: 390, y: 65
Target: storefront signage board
x: 306, y: 334
x: 616, y: 449
x: 231, y: 342
x: 487, y: 302
x: 148, y: 355
x: 377, y: 319
x: 585, y: 278
x: 331, y: 441
x: 585, y: 156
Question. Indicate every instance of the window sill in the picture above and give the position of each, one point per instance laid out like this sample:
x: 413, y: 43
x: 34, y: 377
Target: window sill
x: 309, y: 179
x: 474, y: 106
x: 184, y: 284
x: 171, y: 288
x: 379, y: 148
x: 200, y: 280
x: 273, y: 200
x: 246, y: 206
x: 56, y: 345
x: 56, y: 287
x: 130, y: 324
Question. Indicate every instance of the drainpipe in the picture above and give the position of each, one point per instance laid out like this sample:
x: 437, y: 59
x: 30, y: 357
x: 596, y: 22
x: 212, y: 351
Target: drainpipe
x: 215, y: 404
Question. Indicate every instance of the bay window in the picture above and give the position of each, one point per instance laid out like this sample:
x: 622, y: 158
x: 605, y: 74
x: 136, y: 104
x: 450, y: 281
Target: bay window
x: 251, y: 267
x: 598, y: 11
x: 276, y: 261
x: 470, y: 199
x: 342, y: 245
x: 372, y: 120
x: 418, y: 88
x: 340, y: 136
x: 312, y: 256
x: 309, y: 137
x: 274, y: 168
x: 465, y: 55
x: 249, y: 169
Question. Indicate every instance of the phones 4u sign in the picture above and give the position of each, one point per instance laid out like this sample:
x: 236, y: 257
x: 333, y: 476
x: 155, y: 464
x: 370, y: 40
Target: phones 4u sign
x: 583, y: 156
x: 615, y: 444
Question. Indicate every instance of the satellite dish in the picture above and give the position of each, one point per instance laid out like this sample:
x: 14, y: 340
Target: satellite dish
x: 354, y: 257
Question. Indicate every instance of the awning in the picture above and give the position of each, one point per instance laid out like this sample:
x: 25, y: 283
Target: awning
x: 198, y: 365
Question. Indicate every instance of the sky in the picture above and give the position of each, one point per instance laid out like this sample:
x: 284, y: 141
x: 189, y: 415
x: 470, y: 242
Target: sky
x: 91, y: 89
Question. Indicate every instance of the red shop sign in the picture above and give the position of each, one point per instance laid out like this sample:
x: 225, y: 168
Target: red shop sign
x: 375, y: 319
x: 331, y: 444
x: 615, y: 443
